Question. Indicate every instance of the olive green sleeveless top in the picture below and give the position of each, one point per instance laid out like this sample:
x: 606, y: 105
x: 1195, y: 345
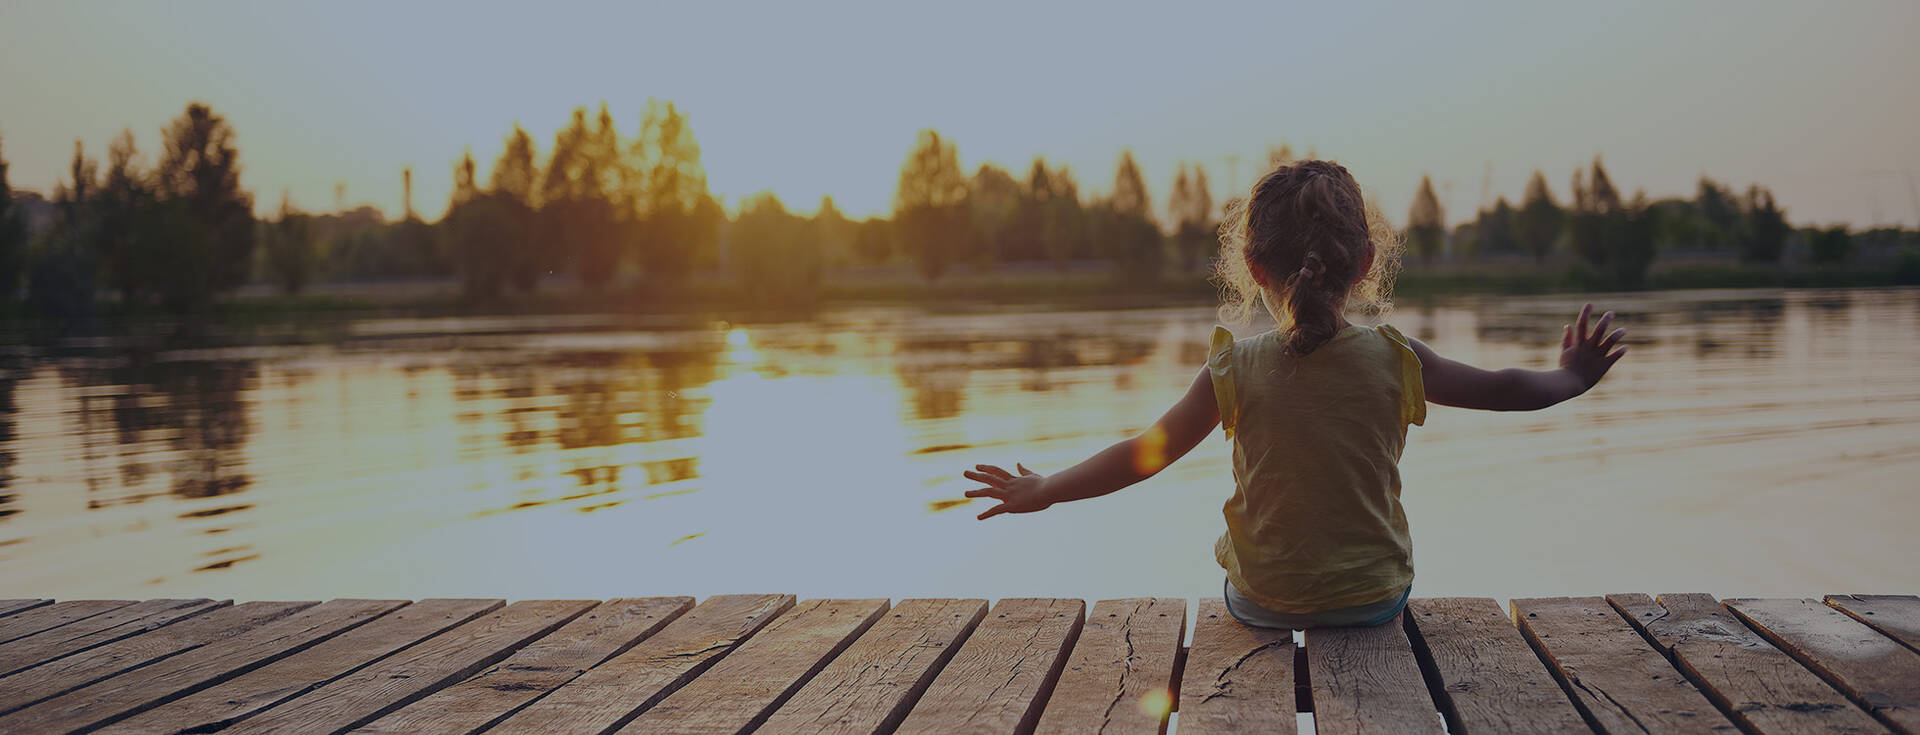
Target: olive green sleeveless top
x: 1315, y: 522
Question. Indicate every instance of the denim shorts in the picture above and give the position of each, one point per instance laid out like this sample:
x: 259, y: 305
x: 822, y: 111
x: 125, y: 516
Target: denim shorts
x: 1376, y: 613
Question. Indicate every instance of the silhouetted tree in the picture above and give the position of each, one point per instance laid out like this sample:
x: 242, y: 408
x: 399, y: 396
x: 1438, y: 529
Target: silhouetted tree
x: 487, y: 236
x: 1495, y: 229
x: 1630, y: 235
x: 873, y: 240
x: 1125, y: 226
x: 930, y: 205
x: 775, y: 254
x: 1537, y: 224
x: 515, y: 173
x: 836, y: 233
x: 514, y: 178
x: 680, y: 220
x: 1721, y: 208
x: 463, y: 184
x: 60, y: 282
x: 128, y: 250
x: 993, y: 205
x: 290, y: 247
x: 13, y: 238
x: 1763, y: 231
x: 1426, y: 224
x: 1830, y: 245
x: 212, y: 233
x: 1191, y: 206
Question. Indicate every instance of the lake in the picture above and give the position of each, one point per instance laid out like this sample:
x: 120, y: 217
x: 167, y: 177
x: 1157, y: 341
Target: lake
x: 1752, y: 443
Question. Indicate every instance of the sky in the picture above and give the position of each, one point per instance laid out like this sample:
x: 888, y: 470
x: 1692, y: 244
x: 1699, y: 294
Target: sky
x: 1817, y: 101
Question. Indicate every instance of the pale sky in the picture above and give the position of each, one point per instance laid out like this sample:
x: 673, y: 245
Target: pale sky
x: 1817, y: 100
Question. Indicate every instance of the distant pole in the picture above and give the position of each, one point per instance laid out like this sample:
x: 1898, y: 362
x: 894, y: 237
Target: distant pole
x: 1915, y: 193
x: 406, y: 192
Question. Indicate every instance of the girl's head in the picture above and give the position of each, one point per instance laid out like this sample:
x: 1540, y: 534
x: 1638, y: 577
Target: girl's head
x: 1308, y: 245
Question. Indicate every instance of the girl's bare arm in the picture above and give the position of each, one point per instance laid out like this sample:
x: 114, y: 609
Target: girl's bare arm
x: 1584, y: 357
x: 1125, y: 463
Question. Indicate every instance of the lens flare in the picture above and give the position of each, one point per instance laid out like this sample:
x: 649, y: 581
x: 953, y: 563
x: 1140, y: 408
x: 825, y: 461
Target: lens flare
x: 738, y: 337
x: 940, y: 505
x: 1156, y: 704
x: 1150, y: 451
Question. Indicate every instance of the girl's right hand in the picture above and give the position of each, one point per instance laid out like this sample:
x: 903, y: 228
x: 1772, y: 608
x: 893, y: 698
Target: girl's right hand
x: 1586, y: 354
x: 1017, y: 494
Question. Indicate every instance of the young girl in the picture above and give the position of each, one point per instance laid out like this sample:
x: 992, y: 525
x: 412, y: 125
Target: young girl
x: 1317, y: 409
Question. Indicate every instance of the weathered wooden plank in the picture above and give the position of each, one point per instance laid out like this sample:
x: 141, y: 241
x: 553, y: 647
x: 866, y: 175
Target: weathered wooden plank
x: 15, y: 627
x: 1237, y: 678
x: 1366, y: 680
x: 392, y: 683
x: 9, y: 607
x: 1897, y: 616
x: 869, y: 687
x: 98, y: 630
x: 256, y: 690
x: 60, y: 676
x: 1119, y: 678
x: 611, y: 694
x: 149, y: 686
x: 474, y: 704
x: 1756, y: 685
x: 1000, y: 678
x: 743, y: 688
x: 1873, y: 670
x: 1482, y: 674
x: 1620, y: 683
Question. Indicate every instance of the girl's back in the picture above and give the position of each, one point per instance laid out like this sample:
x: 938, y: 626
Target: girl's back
x: 1315, y: 521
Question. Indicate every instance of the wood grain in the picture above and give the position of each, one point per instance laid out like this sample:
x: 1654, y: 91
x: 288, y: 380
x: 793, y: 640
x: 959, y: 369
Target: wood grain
x: 397, y: 680
x: 739, y: 692
x: 999, y: 680
x: 1620, y: 683
x: 1873, y: 670
x: 1485, y: 678
x: 1366, y: 680
x: 1236, y: 678
x: 29, y: 622
x: 492, y: 695
x: 1896, y: 616
x: 1753, y: 683
x: 9, y: 607
x: 1120, y: 676
x: 870, y: 687
x: 611, y: 694
x: 149, y: 686
x: 264, y: 687
x: 97, y: 630
x: 60, y: 676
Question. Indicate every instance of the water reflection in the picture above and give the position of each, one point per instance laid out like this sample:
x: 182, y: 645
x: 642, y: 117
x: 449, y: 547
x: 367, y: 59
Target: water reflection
x: 587, y: 459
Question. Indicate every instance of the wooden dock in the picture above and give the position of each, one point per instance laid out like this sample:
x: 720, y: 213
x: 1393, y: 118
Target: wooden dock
x: 773, y: 664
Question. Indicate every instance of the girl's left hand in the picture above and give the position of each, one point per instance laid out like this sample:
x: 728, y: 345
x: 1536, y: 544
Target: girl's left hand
x: 1017, y: 494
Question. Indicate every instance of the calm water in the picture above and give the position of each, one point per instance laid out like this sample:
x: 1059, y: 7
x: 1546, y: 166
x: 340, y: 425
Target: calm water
x: 1753, y: 443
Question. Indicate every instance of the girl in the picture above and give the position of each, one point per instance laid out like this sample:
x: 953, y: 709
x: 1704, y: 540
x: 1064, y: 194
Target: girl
x: 1317, y: 409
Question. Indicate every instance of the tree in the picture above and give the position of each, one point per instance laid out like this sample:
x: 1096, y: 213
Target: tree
x: 1125, y: 226
x: 13, y: 238
x: 680, y: 220
x: 213, y: 232
x: 993, y: 205
x: 1830, y: 245
x: 289, y: 245
x: 1721, y: 208
x: 128, y: 252
x: 487, y: 235
x: 836, y: 233
x: 775, y: 254
x: 60, y: 281
x: 513, y: 179
x: 930, y: 205
x: 1495, y: 229
x: 579, y: 221
x: 1537, y: 224
x: 1191, y: 206
x: 1763, y: 231
x: 1426, y: 224
x: 873, y: 240
x: 463, y: 184
x: 514, y: 173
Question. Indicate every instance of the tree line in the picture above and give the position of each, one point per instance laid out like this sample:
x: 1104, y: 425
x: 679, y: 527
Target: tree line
x: 604, y: 206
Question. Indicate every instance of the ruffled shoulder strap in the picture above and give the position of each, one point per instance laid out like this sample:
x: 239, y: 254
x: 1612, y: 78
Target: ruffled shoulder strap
x: 1220, y: 365
x: 1413, y: 388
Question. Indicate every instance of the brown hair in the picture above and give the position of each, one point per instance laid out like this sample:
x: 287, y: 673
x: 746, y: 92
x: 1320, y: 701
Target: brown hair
x: 1310, y: 230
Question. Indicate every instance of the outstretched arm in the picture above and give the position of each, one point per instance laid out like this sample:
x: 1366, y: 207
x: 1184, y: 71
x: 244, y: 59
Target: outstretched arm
x: 1125, y: 463
x: 1584, y: 358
